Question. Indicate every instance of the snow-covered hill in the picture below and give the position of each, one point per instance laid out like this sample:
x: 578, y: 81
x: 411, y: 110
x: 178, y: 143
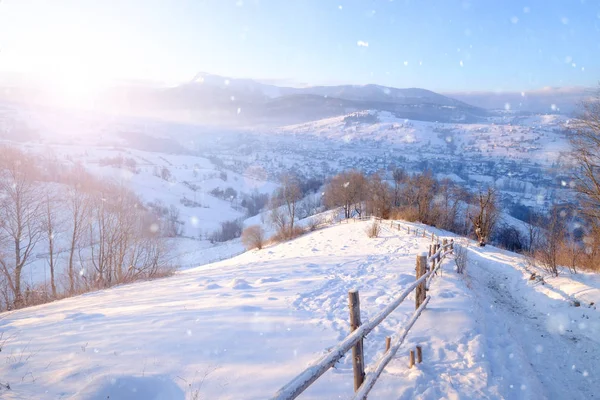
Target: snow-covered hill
x: 194, y: 185
x: 243, y: 327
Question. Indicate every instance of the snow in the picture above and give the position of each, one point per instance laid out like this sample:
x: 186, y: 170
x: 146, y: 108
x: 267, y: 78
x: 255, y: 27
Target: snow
x: 244, y: 327
x: 188, y: 251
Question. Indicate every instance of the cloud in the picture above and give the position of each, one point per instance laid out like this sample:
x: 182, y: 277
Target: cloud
x: 362, y: 43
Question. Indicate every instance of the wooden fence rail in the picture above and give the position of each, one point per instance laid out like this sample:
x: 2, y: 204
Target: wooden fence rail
x: 363, y: 383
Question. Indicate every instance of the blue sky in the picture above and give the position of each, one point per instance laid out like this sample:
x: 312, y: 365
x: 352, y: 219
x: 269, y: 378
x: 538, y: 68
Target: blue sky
x: 442, y: 45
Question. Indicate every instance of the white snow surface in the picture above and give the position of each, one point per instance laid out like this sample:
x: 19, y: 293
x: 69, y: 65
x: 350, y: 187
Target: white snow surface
x: 243, y: 327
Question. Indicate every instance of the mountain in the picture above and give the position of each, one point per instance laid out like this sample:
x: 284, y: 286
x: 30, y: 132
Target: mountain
x: 565, y: 100
x: 243, y: 101
x: 217, y: 100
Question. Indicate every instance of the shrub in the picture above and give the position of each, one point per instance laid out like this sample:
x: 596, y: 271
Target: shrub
x: 410, y: 214
x: 461, y: 258
x: 253, y: 237
x: 374, y: 229
x: 509, y: 237
x: 229, y: 230
x: 314, y: 223
x: 287, y: 233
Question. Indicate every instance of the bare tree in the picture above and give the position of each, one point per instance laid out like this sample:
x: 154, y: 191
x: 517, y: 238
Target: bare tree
x: 280, y: 221
x: 287, y: 196
x: 346, y: 190
x: 570, y: 253
x: 426, y: 187
x: 379, y: 197
x: 447, y: 203
x: 585, y: 142
x: 417, y: 196
x: 20, y: 217
x: 548, y: 252
x: 484, y: 214
x: 310, y: 205
x: 78, y: 205
x: 533, y: 231
x: 399, y: 176
x: 53, y: 225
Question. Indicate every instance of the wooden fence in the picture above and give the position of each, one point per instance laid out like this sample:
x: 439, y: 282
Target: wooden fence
x: 427, y: 267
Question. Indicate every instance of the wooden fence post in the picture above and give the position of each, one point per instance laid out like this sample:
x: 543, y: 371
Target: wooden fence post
x: 421, y: 270
x: 411, y: 361
x: 388, y: 343
x: 452, y: 246
x: 424, y: 232
x: 419, y: 354
x: 358, y: 357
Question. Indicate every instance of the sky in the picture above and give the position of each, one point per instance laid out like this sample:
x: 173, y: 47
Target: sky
x: 442, y: 45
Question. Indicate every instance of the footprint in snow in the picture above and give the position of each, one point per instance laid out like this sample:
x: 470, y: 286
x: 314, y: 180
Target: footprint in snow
x: 447, y: 294
x: 405, y: 278
x: 266, y: 280
x: 213, y: 286
x: 239, y: 284
x: 249, y: 308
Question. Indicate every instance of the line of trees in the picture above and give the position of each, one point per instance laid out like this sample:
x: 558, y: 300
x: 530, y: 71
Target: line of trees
x: 418, y: 197
x: 90, y: 233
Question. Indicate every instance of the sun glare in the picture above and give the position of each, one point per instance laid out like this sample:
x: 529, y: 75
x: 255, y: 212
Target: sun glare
x: 75, y: 88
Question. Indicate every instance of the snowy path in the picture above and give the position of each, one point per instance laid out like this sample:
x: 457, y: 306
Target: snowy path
x: 544, y: 343
x: 243, y: 327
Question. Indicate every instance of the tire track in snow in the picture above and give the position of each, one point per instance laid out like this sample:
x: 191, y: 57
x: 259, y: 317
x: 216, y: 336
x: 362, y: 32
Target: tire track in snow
x: 547, y: 365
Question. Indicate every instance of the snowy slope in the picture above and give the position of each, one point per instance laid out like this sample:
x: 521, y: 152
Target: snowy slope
x: 186, y: 171
x: 243, y: 327
x: 536, y: 138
